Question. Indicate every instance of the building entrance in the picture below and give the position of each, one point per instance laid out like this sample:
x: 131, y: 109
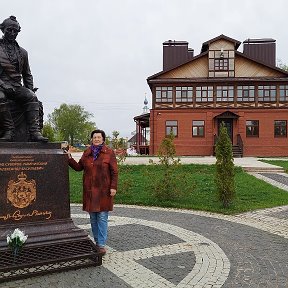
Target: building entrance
x: 229, y: 125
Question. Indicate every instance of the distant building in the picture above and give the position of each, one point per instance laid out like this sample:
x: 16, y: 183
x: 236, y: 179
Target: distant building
x: 194, y: 94
x: 141, y: 138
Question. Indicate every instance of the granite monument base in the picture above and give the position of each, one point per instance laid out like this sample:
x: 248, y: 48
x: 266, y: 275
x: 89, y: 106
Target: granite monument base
x: 34, y: 197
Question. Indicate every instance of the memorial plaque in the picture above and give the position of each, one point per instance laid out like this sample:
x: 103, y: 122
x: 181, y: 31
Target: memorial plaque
x: 34, y: 197
x: 33, y: 185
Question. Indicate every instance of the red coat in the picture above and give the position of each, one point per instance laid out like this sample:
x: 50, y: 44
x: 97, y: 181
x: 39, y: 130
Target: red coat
x: 99, y: 177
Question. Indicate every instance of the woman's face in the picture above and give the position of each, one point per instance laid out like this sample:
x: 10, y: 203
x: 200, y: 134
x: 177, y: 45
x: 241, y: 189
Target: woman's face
x: 97, y: 139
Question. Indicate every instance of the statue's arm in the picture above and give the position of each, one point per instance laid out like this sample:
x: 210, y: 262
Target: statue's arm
x: 26, y: 72
x: 2, y: 83
x: 6, y: 86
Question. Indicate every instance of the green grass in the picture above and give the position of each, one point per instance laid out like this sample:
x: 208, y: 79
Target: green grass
x: 199, y: 189
x: 281, y: 163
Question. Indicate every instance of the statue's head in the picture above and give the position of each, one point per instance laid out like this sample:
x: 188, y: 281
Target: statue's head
x: 10, y: 27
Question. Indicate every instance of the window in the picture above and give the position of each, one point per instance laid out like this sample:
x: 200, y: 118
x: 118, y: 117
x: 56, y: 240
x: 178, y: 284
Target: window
x: 198, y: 128
x: 172, y: 126
x: 184, y: 94
x: 267, y: 93
x: 252, y: 128
x: 221, y: 64
x: 245, y: 93
x: 204, y: 94
x: 164, y: 94
x: 280, y: 128
x: 283, y: 90
x: 225, y: 93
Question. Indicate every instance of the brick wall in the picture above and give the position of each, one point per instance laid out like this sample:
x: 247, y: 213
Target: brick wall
x: 264, y: 145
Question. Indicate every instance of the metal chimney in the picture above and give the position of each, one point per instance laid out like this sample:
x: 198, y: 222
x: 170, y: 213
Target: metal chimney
x: 263, y: 50
x: 175, y: 53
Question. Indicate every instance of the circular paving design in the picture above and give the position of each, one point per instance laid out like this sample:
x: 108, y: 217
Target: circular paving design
x: 211, y: 265
x: 157, y: 247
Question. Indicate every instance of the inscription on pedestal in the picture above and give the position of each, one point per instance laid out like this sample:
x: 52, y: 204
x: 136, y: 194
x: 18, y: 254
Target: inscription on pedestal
x: 34, y: 197
x: 31, y: 185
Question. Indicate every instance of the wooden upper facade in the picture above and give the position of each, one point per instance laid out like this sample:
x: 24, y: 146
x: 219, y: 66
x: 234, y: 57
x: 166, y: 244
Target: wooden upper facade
x: 217, y: 81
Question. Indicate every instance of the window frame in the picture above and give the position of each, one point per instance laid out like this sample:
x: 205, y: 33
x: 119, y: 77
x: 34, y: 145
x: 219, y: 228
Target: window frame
x: 202, y: 90
x: 242, y: 89
x: 221, y: 64
x: 198, y: 127
x: 280, y: 126
x: 267, y: 91
x: 165, y: 93
x: 224, y: 89
x: 283, y: 89
x: 252, y: 129
x: 182, y: 90
x: 171, y: 126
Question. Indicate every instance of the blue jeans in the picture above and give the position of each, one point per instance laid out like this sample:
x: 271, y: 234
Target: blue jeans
x: 99, y: 225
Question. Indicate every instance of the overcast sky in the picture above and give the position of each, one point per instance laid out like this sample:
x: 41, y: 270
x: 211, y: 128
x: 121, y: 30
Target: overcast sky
x: 98, y: 54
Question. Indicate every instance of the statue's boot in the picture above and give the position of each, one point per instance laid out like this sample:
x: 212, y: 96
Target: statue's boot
x: 7, y: 123
x: 32, y: 117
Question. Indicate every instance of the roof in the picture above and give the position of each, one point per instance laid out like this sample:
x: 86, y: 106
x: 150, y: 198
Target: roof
x: 227, y: 114
x: 142, y: 116
x: 173, y: 42
x: 204, y: 52
x: 133, y: 139
x: 188, y: 61
x: 143, y: 120
x: 260, y: 62
x: 261, y: 40
x: 218, y: 79
x: 206, y: 44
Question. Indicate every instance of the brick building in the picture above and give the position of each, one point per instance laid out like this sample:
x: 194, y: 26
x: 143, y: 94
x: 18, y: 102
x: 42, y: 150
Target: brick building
x: 194, y: 94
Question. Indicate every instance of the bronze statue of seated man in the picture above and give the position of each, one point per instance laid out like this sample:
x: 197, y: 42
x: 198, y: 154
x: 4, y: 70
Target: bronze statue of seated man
x: 16, y: 84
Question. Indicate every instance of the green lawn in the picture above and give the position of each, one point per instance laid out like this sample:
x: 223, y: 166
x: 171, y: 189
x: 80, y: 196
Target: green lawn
x: 281, y: 163
x: 198, y: 186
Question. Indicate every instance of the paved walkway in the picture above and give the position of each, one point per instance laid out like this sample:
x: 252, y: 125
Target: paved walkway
x: 157, y: 247
x: 252, y: 164
x: 244, y: 162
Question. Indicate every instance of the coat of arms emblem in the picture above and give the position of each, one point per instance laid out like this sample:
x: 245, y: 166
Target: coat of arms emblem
x: 21, y: 193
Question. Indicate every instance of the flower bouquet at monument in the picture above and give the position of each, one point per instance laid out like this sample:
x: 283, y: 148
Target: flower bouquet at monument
x: 15, y: 241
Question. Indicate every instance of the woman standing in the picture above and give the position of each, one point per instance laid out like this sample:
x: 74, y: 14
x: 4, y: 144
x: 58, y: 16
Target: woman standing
x: 100, y: 180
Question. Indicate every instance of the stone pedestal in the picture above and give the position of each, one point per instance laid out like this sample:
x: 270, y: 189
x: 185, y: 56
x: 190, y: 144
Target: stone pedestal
x: 34, y: 197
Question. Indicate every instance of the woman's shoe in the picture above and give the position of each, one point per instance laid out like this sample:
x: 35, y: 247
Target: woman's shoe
x: 102, y: 250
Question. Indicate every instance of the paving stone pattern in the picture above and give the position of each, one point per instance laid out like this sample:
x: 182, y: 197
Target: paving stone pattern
x: 174, y: 268
x: 158, y: 247
x: 153, y: 247
x: 139, y: 237
x: 279, y: 177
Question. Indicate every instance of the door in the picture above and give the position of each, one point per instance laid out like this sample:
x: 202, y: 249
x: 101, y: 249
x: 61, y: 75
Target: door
x: 229, y: 125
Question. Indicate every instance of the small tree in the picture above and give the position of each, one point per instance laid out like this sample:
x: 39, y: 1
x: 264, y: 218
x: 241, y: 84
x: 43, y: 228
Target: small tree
x: 224, y: 168
x: 167, y: 185
x: 167, y: 151
x: 119, y: 146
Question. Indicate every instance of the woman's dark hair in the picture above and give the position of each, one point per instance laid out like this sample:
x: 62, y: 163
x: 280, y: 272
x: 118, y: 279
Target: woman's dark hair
x: 98, y: 131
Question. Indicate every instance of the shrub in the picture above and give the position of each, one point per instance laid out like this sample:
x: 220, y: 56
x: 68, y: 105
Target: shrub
x: 225, y: 173
x: 168, y: 185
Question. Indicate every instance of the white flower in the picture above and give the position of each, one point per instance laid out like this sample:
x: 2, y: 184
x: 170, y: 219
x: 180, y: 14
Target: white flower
x: 23, y: 238
x: 17, y: 233
x: 17, y: 238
